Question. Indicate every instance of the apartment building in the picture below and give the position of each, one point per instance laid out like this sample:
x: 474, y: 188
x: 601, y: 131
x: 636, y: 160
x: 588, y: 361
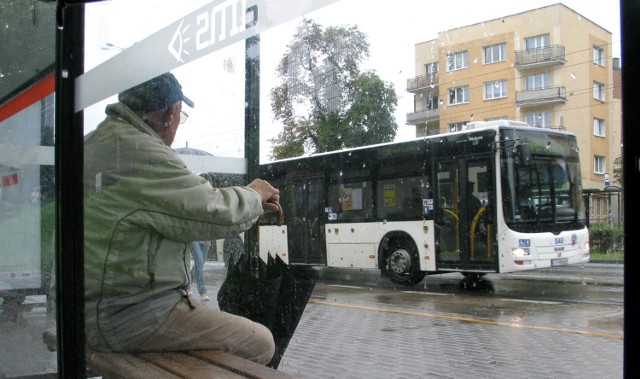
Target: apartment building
x: 550, y: 67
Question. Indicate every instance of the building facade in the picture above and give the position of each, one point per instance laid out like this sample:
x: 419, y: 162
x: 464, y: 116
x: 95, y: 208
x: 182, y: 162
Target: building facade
x: 549, y: 67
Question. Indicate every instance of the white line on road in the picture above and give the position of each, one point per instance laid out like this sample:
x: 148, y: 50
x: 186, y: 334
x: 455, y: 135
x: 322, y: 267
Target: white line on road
x: 428, y: 293
x: 534, y: 301
x: 344, y: 286
x: 549, y: 277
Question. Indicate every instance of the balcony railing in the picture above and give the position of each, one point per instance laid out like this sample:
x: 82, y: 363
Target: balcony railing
x: 549, y: 55
x: 423, y: 116
x: 420, y: 83
x: 557, y: 94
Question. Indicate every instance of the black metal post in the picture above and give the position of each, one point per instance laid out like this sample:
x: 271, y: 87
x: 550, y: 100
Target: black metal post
x: 252, y: 120
x: 69, y: 193
x: 630, y: 18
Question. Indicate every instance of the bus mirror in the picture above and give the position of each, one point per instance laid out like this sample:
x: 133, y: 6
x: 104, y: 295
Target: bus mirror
x: 524, y: 154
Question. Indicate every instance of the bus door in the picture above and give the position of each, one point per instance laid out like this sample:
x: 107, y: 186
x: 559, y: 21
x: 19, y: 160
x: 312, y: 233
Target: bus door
x: 464, y: 232
x: 305, y: 220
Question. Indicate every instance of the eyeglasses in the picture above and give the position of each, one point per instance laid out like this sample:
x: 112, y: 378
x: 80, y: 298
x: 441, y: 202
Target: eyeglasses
x: 183, y: 117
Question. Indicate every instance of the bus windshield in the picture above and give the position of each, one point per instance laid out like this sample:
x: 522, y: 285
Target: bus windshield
x: 542, y: 192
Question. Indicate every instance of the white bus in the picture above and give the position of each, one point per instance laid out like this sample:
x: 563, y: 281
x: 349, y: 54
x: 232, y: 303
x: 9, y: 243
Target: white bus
x: 498, y: 197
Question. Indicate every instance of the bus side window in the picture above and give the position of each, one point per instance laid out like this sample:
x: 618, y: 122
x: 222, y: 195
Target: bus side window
x: 352, y: 201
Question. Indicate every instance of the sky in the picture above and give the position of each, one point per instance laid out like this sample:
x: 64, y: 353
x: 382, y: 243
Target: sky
x: 216, y: 124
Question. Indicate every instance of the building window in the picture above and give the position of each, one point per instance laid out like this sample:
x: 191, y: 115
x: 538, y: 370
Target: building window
x: 433, y: 130
x: 457, y: 61
x: 458, y: 95
x: 538, y: 81
x: 598, y: 127
x: 431, y: 68
x: 538, y: 119
x: 495, y: 53
x: 599, y: 164
x: 537, y: 42
x: 495, y: 90
x: 431, y: 103
x: 598, y: 91
x: 456, y: 126
x: 598, y: 56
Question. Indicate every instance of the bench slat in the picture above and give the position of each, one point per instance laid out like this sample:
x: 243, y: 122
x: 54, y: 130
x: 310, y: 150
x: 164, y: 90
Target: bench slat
x: 239, y: 365
x: 123, y: 366
x: 187, y: 366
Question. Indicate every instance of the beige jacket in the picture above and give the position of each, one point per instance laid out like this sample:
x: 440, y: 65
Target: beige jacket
x: 143, y: 208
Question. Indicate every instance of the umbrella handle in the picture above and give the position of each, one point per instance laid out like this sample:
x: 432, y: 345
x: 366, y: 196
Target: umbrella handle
x: 279, y: 222
x: 253, y: 261
x: 280, y: 214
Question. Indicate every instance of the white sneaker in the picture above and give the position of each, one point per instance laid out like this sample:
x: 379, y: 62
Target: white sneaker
x: 204, y: 297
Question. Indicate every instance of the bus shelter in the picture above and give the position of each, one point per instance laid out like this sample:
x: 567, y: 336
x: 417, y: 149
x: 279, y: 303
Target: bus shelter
x: 604, y: 206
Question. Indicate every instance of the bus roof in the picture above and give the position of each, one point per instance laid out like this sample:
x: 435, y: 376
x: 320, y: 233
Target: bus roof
x: 469, y: 127
x: 484, y: 124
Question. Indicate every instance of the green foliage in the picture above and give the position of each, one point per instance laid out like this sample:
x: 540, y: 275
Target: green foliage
x: 617, y: 170
x: 324, y: 102
x: 610, y: 257
x: 606, y: 239
x: 371, y: 112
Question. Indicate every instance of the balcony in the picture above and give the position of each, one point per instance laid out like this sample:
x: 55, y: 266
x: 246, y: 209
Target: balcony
x: 421, y: 83
x: 421, y: 117
x: 543, y: 56
x: 549, y: 95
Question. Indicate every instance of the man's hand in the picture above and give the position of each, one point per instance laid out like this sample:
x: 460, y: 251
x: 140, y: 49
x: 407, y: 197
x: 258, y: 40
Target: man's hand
x: 269, y: 196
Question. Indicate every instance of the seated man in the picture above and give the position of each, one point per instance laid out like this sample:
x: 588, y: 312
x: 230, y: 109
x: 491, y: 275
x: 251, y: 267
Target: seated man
x: 143, y: 208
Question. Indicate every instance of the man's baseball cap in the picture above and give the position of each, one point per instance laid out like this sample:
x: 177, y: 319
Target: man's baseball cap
x: 160, y: 92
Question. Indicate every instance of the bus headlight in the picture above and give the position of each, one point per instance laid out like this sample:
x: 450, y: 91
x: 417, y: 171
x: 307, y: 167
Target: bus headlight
x: 587, y: 247
x: 519, y: 251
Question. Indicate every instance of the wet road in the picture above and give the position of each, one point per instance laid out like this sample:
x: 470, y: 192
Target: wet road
x: 573, y: 296
x: 560, y: 322
x: 563, y: 322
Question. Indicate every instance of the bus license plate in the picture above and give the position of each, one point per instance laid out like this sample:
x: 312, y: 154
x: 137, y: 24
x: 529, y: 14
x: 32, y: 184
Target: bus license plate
x: 559, y: 262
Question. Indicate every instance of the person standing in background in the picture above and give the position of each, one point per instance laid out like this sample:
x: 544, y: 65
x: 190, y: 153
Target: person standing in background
x: 199, y: 252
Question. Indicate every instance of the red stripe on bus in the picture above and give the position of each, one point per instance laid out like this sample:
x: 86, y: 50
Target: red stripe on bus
x: 37, y: 92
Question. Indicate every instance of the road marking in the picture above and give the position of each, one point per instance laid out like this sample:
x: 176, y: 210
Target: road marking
x: 468, y: 319
x: 534, y: 301
x: 429, y: 293
x: 563, y: 278
x: 416, y: 292
x: 343, y: 286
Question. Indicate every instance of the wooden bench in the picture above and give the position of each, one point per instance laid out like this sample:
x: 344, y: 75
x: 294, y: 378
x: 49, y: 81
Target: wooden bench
x: 193, y: 364
x: 200, y: 364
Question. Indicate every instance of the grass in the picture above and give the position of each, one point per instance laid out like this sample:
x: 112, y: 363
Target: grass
x: 614, y: 256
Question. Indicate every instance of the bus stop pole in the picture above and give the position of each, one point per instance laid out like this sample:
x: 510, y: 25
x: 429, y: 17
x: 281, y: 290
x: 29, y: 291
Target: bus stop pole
x: 69, y: 253
x: 252, y: 119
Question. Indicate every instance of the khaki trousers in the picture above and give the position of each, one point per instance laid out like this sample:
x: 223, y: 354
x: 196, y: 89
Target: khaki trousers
x: 206, y: 328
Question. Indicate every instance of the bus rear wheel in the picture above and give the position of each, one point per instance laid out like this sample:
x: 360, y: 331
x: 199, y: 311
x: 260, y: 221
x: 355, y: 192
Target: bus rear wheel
x: 401, y: 262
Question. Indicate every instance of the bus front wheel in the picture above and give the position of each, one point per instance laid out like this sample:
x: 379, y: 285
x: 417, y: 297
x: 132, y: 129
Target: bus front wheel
x: 402, y: 265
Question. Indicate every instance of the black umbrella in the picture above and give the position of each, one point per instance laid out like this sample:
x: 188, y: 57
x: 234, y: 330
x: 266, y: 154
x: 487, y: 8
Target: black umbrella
x: 296, y: 287
x: 251, y: 289
x: 273, y: 294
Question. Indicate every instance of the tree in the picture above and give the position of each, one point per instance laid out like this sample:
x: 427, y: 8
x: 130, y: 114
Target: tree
x: 617, y: 170
x: 324, y: 101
